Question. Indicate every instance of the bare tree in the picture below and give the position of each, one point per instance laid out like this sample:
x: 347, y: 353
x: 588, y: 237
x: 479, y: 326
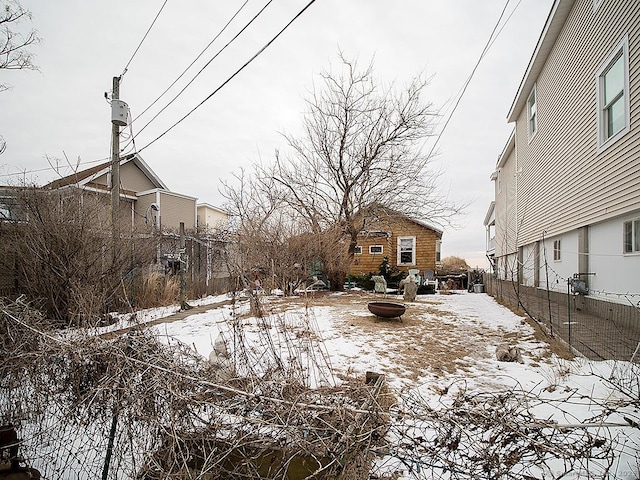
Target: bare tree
x: 274, y: 247
x: 14, y: 46
x: 56, y: 250
x: 360, y: 148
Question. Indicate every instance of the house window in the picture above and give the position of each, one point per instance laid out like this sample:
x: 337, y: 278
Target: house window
x: 613, y: 96
x: 5, y: 212
x: 438, y: 249
x: 532, y: 113
x: 556, y: 251
x: 499, y: 180
x: 358, y: 250
x: 631, y: 237
x: 406, y: 250
x: 375, y: 249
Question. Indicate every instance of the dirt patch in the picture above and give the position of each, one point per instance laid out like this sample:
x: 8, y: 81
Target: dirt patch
x: 427, y: 340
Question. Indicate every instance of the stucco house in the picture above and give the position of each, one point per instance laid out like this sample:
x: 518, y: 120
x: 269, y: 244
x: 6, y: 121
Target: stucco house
x: 567, y: 182
x: 408, y: 244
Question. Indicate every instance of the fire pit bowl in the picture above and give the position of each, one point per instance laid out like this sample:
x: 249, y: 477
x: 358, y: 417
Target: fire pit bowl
x: 386, y: 309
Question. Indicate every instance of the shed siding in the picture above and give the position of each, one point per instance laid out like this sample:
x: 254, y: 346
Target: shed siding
x: 562, y: 179
x: 386, y: 234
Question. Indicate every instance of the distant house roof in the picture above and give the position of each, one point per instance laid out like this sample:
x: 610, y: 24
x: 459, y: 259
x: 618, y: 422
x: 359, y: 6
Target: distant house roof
x: 489, y: 217
x: 85, y: 178
x: 212, y: 207
x: 394, y: 213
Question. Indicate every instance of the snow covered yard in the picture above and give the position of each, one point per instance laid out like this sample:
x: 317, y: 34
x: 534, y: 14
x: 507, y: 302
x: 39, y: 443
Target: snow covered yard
x: 442, y: 358
x: 235, y: 387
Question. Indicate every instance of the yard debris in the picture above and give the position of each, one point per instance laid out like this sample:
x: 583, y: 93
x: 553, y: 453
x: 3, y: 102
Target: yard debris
x: 278, y: 412
x: 171, y: 413
x: 508, y: 353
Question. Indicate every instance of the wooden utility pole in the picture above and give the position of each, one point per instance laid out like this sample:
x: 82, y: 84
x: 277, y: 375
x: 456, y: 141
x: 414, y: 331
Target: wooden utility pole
x: 115, y: 166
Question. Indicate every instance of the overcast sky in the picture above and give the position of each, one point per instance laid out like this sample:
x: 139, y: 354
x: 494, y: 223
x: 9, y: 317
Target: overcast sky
x: 61, y: 110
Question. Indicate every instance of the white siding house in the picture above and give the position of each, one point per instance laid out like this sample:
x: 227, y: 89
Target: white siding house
x: 211, y: 218
x: 567, y: 185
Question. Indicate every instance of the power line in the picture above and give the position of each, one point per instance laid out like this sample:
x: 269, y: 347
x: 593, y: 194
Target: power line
x: 37, y: 170
x: 143, y: 39
x: 194, y: 61
x: 486, y: 48
x: 203, y: 68
x: 232, y: 76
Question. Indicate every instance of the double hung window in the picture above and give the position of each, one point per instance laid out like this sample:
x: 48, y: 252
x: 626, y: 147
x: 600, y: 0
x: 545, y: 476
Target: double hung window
x: 613, y: 96
x: 406, y: 250
x: 631, y: 237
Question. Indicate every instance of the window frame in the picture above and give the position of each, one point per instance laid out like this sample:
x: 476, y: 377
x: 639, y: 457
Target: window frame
x: 532, y: 118
x: 376, y: 253
x: 557, y: 250
x: 400, y: 251
x: 357, y: 250
x: 621, y: 51
x: 632, y: 245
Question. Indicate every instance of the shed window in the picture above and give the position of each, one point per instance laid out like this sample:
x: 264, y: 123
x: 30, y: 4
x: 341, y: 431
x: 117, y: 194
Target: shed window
x: 375, y: 249
x: 613, y: 96
x: 406, y: 250
x: 631, y: 237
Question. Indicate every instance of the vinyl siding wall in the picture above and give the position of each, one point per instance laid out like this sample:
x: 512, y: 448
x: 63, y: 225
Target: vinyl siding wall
x: 505, y: 208
x: 563, y: 180
x: 175, y: 209
x: 132, y: 178
x: 144, y: 215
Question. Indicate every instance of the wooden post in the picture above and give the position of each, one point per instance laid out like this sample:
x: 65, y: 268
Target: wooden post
x: 183, y: 266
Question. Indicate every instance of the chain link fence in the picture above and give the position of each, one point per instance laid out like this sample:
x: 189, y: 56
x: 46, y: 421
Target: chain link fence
x: 593, y: 328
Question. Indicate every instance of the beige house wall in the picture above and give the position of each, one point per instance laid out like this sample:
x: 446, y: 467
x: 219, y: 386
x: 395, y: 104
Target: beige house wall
x: 211, y: 218
x: 132, y: 178
x: 175, y: 209
x: 144, y: 215
x: 564, y: 181
x: 505, y: 210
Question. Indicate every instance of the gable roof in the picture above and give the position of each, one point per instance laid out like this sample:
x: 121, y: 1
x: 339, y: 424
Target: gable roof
x: 555, y: 21
x: 85, y: 177
x: 394, y: 213
x: 211, y: 207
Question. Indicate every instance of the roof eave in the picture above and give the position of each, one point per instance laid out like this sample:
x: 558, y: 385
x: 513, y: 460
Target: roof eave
x: 555, y: 21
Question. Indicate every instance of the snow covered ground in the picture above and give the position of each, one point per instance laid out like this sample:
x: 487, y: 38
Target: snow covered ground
x: 444, y: 346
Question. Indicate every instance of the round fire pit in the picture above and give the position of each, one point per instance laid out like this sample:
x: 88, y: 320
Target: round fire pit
x: 386, y: 309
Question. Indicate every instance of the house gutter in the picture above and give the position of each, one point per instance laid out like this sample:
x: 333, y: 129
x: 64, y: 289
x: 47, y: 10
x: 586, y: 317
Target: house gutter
x: 553, y: 26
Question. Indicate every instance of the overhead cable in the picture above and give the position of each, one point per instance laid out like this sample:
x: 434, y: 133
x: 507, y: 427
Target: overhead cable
x: 203, y: 68
x: 466, y: 83
x: 231, y: 77
x: 194, y: 61
x: 143, y: 39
